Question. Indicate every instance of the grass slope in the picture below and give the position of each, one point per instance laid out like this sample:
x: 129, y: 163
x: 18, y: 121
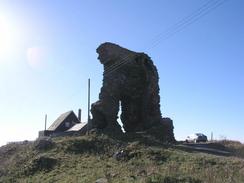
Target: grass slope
x: 138, y: 159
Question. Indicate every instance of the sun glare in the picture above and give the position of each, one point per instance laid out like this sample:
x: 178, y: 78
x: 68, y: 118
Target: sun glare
x: 7, y: 37
x: 36, y: 57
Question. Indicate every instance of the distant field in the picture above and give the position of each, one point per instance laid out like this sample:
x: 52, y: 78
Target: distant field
x: 129, y: 159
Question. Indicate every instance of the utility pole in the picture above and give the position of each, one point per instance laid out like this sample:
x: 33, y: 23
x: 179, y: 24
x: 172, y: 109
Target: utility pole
x: 88, y: 112
x: 45, y: 122
x: 79, y: 115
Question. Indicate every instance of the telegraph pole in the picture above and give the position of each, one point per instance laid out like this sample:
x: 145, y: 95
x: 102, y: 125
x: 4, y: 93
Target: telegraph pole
x: 88, y: 112
x: 88, y: 125
x: 45, y: 122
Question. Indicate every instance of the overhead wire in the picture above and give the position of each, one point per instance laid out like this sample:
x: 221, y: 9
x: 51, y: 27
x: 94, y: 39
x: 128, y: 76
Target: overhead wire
x: 190, y: 21
x: 184, y: 22
x: 177, y: 27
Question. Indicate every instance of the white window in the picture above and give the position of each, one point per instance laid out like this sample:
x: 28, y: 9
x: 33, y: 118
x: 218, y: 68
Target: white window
x: 67, y: 124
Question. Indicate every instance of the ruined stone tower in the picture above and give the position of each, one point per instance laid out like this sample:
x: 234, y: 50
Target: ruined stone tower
x: 129, y: 79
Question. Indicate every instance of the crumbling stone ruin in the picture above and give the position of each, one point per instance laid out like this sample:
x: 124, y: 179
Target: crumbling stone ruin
x: 130, y: 79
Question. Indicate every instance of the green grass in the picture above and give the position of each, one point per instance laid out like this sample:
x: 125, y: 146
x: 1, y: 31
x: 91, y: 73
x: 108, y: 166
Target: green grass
x: 234, y: 146
x: 87, y: 158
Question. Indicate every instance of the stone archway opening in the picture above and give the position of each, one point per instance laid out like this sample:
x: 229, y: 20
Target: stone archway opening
x: 119, y: 117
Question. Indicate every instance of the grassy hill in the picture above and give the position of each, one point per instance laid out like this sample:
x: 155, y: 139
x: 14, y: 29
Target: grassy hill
x: 132, y: 158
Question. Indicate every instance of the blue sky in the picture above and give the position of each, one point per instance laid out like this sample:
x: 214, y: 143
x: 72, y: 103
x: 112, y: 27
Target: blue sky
x: 47, y: 53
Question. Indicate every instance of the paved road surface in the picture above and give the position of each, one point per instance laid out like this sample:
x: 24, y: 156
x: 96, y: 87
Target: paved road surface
x: 203, y: 147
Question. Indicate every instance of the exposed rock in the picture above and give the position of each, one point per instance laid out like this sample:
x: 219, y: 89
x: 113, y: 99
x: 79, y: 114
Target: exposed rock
x: 130, y: 79
x: 120, y: 155
x: 102, y: 180
x: 163, y: 130
x: 41, y: 163
x: 44, y: 143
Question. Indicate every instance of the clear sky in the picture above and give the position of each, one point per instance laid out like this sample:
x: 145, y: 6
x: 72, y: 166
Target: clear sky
x: 47, y: 53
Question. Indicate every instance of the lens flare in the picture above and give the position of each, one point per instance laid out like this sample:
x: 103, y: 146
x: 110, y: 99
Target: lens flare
x: 7, y: 38
x: 36, y: 57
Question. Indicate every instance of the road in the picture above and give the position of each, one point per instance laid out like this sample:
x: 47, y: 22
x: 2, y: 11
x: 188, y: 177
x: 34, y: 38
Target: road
x: 204, y: 147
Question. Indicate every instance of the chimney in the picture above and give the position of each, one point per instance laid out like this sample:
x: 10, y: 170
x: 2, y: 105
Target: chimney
x: 79, y: 115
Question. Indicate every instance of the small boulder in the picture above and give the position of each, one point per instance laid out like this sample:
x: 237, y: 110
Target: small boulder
x: 120, y: 155
x: 43, y: 144
x: 102, y: 180
x: 41, y: 163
